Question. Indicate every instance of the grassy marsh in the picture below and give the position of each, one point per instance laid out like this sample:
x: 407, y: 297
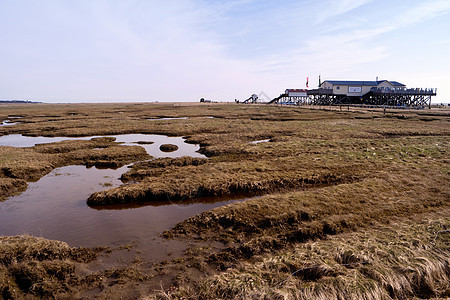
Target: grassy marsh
x: 400, y: 260
x: 335, y: 186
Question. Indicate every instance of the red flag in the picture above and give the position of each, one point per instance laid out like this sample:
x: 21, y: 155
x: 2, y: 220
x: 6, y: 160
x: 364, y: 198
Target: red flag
x: 307, y: 80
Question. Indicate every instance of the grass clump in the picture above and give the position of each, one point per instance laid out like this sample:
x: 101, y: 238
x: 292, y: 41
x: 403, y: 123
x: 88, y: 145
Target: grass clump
x: 11, y: 186
x: 144, y: 142
x: 211, y: 180
x: 168, y: 148
x: 41, y: 267
x: 145, y: 169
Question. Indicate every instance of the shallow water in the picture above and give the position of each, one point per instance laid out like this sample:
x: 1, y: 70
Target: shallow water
x: 260, y: 141
x: 8, y: 123
x: 184, y: 149
x: 163, y: 119
x: 179, y: 118
x: 55, y: 207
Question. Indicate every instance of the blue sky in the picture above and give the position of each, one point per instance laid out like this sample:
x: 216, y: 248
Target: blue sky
x: 182, y: 50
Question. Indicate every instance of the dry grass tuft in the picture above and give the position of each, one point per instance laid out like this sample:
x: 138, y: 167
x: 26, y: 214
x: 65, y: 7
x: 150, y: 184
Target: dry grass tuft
x: 397, y: 261
x: 168, y: 147
x: 142, y: 170
x: 11, y: 186
x: 30, y: 265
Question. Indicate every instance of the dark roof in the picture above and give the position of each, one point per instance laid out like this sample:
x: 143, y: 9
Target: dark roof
x: 369, y: 83
x: 396, y: 83
x: 296, y: 90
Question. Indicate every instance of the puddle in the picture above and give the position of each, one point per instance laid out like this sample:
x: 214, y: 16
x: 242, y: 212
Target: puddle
x: 7, y: 123
x: 54, y: 207
x: 260, y: 141
x: 162, y: 119
x: 181, y: 118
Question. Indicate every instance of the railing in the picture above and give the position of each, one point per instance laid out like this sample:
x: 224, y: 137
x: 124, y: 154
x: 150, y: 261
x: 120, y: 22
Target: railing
x: 320, y: 92
x: 415, y: 91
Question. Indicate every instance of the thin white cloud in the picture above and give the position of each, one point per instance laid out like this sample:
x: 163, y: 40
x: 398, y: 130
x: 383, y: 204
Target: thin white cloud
x: 334, y: 8
x: 417, y: 14
x: 343, y: 50
x: 421, y: 12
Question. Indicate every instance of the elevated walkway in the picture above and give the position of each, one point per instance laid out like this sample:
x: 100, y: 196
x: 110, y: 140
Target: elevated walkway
x: 277, y: 99
x: 417, y: 98
x: 414, y: 98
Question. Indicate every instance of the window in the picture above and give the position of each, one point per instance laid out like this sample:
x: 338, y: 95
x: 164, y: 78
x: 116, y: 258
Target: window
x: 338, y: 87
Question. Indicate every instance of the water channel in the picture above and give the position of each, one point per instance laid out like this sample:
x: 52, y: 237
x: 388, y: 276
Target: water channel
x: 9, y: 121
x: 54, y: 207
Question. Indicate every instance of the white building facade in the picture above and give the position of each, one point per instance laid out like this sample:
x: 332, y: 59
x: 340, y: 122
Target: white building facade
x: 360, y: 88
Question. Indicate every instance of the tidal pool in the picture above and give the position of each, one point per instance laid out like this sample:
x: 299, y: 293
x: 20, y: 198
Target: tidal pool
x: 54, y: 207
x: 184, y: 149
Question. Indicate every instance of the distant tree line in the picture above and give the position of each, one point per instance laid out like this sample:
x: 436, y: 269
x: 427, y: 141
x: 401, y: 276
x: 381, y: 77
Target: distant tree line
x: 18, y: 101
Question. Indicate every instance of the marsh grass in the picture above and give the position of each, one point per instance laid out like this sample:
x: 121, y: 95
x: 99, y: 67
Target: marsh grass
x: 275, y: 166
x: 212, y: 180
x: 276, y: 221
x: 11, y: 186
x: 349, y: 199
x: 404, y: 259
x: 36, y: 266
x: 144, y: 142
x: 145, y: 169
x: 168, y: 147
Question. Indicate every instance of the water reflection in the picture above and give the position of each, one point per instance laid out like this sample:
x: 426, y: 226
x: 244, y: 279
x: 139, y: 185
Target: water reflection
x: 184, y: 202
x: 55, y: 206
x: 8, y: 123
x: 179, y: 118
x: 184, y: 149
x: 162, y: 119
x: 260, y: 141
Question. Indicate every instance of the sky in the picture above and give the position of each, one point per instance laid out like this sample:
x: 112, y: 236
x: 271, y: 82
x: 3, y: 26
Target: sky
x: 184, y: 50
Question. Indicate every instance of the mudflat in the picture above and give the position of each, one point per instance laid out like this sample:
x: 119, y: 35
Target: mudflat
x: 342, y: 202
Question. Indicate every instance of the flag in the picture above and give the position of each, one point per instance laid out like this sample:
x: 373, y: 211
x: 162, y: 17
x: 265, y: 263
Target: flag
x: 307, y: 80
